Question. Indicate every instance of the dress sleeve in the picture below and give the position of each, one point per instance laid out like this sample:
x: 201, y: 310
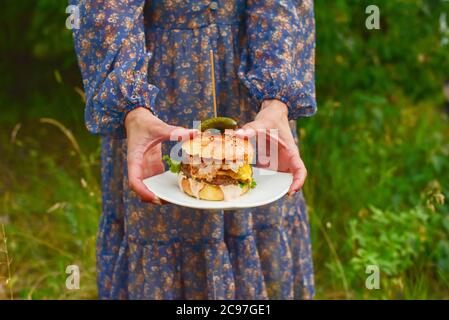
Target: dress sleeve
x: 279, y: 62
x: 110, y: 45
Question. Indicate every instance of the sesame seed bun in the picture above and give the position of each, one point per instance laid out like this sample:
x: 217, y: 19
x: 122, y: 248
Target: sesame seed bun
x: 219, y: 147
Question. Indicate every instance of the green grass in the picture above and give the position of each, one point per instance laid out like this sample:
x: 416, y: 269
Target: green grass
x: 376, y: 188
x: 49, y: 195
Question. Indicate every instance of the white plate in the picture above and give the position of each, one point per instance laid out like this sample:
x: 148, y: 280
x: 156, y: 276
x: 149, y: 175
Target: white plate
x: 271, y: 186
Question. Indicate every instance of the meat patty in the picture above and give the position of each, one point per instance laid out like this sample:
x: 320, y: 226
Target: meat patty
x: 222, y: 180
x: 217, y: 180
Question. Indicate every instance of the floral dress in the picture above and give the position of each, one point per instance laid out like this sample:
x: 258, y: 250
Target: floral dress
x: 155, y: 54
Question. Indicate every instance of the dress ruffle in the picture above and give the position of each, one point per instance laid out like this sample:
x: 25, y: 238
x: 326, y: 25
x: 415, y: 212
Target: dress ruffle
x: 264, y: 262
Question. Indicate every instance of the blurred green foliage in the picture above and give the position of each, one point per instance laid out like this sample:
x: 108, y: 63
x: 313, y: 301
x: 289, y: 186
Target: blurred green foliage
x: 376, y: 147
x: 376, y: 152
x: 405, y: 54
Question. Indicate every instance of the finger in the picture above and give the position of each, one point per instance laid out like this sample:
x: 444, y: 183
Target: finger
x: 249, y: 130
x: 142, y: 191
x: 245, y: 133
x: 299, y: 172
x: 275, y: 149
x: 174, y: 133
x: 135, y: 177
x: 254, y: 125
x: 277, y: 140
x: 157, y: 201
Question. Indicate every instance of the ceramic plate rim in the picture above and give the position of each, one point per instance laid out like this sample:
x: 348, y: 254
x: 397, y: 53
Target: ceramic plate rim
x: 220, y: 205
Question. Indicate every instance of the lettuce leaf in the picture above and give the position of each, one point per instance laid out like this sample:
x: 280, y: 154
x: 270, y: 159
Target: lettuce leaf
x: 252, y: 184
x: 174, y: 166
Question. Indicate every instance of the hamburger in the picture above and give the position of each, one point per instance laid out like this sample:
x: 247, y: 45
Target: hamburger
x: 215, y: 167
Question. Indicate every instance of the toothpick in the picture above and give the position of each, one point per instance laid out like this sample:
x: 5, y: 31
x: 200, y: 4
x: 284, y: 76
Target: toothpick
x: 211, y: 53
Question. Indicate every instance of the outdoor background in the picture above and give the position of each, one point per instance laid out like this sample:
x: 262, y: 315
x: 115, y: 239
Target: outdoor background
x: 377, y: 153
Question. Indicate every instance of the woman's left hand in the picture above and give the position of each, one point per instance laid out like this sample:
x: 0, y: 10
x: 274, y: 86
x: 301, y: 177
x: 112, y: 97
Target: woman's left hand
x: 274, y: 115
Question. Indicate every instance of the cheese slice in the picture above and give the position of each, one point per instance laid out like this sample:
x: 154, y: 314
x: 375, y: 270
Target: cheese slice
x: 244, y: 173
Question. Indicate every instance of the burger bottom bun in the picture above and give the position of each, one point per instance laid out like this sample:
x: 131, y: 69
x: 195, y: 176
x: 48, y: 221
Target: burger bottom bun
x: 208, y: 191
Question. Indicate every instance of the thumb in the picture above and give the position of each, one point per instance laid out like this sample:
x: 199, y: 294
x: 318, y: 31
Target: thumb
x: 249, y: 130
x: 175, y: 133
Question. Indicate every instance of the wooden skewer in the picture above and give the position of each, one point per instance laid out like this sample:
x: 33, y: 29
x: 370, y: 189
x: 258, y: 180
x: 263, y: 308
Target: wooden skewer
x: 211, y: 53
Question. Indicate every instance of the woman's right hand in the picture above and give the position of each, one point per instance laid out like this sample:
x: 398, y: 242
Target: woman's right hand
x: 145, y: 133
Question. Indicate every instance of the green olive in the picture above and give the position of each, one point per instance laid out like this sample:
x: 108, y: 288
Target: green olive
x: 219, y: 123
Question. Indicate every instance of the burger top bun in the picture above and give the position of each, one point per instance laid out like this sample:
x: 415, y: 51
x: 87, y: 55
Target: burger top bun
x: 219, y: 147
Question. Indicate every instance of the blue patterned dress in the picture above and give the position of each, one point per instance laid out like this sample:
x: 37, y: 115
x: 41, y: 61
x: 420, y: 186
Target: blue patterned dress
x: 156, y: 54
